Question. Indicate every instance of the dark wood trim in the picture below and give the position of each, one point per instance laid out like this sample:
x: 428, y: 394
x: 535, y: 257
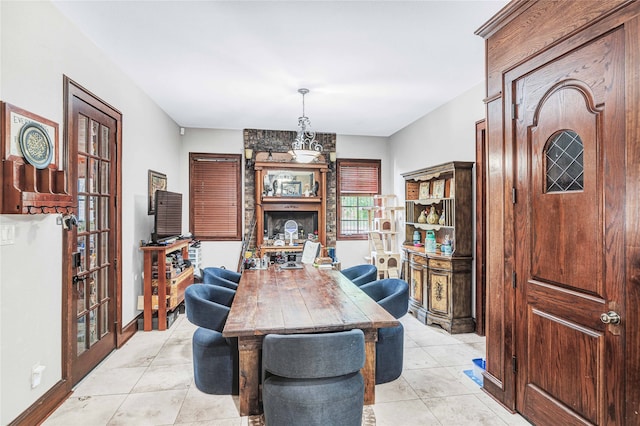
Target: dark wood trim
x: 481, y: 283
x: 128, y: 331
x: 45, y: 405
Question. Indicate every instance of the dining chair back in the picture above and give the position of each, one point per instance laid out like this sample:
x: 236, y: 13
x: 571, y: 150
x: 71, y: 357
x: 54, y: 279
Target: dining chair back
x: 222, y: 273
x: 361, y: 274
x: 215, y: 358
x: 313, y: 379
x: 393, y: 295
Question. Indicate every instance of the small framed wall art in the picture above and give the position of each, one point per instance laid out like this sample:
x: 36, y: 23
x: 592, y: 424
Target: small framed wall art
x: 438, y: 189
x: 424, y: 190
x: 156, y: 181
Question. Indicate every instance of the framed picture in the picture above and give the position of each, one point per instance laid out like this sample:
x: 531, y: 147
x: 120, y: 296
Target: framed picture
x: 438, y: 189
x: 28, y: 138
x: 291, y: 189
x: 424, y: 190
x: 156, y: 181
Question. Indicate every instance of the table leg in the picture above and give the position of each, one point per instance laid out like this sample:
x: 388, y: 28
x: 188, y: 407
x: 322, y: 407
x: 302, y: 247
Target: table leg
x: 369, y: 369
x: 249, y: 348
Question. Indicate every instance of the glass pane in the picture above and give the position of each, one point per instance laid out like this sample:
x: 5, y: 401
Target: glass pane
x: 93, y: 220
x: 82, y: 133
x: 92, y: 284
x: 104, y: 177
x: 93, y: 146
x: 103, y: 285
x: 92, y: 251
x: 82, y: 209
x: 82, y: 174
x: 104, y: 318
x: 104, y: 212
x: 104, y: 248
x: 81, y: 336
x: 564, y: 162
x: 81, y: 250
x: 81, y: 304
x: 93, y: 176
x: 93, y: 327
x: 104, y: 142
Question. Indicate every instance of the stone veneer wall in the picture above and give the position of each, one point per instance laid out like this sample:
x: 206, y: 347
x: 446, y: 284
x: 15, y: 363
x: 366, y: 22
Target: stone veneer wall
x: 280, y: 141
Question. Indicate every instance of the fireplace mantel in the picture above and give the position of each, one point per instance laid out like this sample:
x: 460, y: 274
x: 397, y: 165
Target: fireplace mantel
x: 293, y: 191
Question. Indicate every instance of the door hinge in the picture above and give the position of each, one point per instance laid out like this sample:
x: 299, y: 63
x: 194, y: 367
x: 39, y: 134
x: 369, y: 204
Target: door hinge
x: 514, y: 111
x: 115, y: 264
x: 513, y: 196
x: 514, y: 363
x: 514, y: 279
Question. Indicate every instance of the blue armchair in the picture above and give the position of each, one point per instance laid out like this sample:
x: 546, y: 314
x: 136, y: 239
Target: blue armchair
x: 393, y: 295
x: 313, y: 379
x: 361, y: 274
x: 222, y: 273
x: 216, y: 276
x: 215, y: 358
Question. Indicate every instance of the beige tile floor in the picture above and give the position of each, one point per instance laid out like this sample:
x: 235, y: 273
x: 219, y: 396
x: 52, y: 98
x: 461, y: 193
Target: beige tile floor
x: 149, y: 381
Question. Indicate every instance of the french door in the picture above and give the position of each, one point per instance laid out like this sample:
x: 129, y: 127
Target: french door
x: 92, y: 245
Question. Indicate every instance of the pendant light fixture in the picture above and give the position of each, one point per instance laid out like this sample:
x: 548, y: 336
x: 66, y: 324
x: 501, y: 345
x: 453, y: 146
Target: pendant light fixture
x: 304, y: 148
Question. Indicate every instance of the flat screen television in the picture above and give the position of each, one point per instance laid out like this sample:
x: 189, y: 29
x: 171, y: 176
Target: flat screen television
x: 168, y: 216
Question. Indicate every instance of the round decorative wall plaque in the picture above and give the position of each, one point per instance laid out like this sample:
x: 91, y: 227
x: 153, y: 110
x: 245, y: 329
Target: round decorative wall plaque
x: 36, y: 145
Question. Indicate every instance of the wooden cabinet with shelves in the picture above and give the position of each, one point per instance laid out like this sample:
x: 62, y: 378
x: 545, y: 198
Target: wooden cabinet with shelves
x: 166, y: 283
x: 439, y: 277
x: 286, y: 190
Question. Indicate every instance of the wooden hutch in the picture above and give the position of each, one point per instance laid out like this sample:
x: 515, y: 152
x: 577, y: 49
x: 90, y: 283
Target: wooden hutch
x: 440, y: 279
x: 285, y: 190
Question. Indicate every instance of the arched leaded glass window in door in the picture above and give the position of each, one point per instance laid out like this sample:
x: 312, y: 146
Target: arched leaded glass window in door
x: 564, y: 162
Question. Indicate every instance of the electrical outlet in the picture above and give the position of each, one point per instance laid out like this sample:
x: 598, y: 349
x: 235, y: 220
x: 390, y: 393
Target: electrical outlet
x: 36, y: 375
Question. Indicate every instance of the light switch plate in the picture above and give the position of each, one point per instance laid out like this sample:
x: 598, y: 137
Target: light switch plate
x: 7, y: 234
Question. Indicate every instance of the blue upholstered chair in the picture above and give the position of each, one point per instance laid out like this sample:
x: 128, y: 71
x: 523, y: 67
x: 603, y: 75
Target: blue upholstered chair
x: 222, y: 273
x: 215, y: 358
x: 220, y: 277
x: 313, y: 379
x: 361, y: 274
x: 393, y: 295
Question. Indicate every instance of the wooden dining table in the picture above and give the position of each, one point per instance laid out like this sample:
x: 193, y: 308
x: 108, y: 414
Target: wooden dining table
x: 292, y: 301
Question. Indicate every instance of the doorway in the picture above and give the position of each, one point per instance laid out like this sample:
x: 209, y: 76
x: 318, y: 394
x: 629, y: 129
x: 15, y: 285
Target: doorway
x: 92, y: 242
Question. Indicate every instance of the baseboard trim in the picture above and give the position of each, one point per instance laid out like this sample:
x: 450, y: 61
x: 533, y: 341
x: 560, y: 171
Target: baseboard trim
x: 128, y: 331
x: 45, y: 405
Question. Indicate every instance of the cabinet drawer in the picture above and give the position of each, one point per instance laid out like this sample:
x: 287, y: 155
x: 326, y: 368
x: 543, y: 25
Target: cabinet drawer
x: 440, y: 264
x: 420, y: 260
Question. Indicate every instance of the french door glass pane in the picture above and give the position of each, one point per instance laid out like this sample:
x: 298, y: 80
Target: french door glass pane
x: 104, y: 283
x: 92, y: 213
x: 104, y: 318
x: 92, y: 251
x: 93, y: 290
x: 104, y: 142
x: 93, y: 176
x: 104, y: 248
x: 93, y: 326
x: 82, y: 133
x: 93, y: 146
x: 82, y: 209
x: 104, y: 213
x: 82, y: 300
x: 81, y: 249
x: 81, y: 342
x: 104, y: 177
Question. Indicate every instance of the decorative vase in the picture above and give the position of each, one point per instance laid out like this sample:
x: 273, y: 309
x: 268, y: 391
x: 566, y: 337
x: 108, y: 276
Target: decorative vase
x: 432, y: 217
x: 422, y: 218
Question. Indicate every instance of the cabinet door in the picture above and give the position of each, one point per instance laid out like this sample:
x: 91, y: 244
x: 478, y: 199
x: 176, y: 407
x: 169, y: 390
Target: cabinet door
x: 438, y: 291
x: 415, y: 286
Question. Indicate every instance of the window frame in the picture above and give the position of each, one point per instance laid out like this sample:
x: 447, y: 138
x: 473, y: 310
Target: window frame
x: 213, y: 233
x: 351, y: 162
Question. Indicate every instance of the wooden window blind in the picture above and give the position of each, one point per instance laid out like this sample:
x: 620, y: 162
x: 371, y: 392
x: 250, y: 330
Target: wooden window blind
x: 215, y: 196
x: 357, y: 182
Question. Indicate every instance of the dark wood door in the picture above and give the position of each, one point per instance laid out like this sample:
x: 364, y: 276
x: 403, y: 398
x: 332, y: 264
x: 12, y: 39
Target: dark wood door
x: 92, y: 245
x: 569, y: 228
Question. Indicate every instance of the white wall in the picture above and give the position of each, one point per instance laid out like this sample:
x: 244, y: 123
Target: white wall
x: 37, y: 46
x: 352, y: 253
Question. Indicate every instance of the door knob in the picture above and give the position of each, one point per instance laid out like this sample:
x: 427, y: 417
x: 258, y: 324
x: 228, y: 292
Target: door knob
x: 610, y: 317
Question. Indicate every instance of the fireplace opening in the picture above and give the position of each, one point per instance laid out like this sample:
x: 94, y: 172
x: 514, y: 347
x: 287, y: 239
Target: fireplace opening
x: 274, y: 223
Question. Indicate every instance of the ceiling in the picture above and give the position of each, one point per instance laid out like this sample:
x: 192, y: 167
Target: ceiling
x: 372, y: 67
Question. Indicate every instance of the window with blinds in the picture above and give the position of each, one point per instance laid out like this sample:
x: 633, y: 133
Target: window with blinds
x: 215, y: 211
x: 357, y: 182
